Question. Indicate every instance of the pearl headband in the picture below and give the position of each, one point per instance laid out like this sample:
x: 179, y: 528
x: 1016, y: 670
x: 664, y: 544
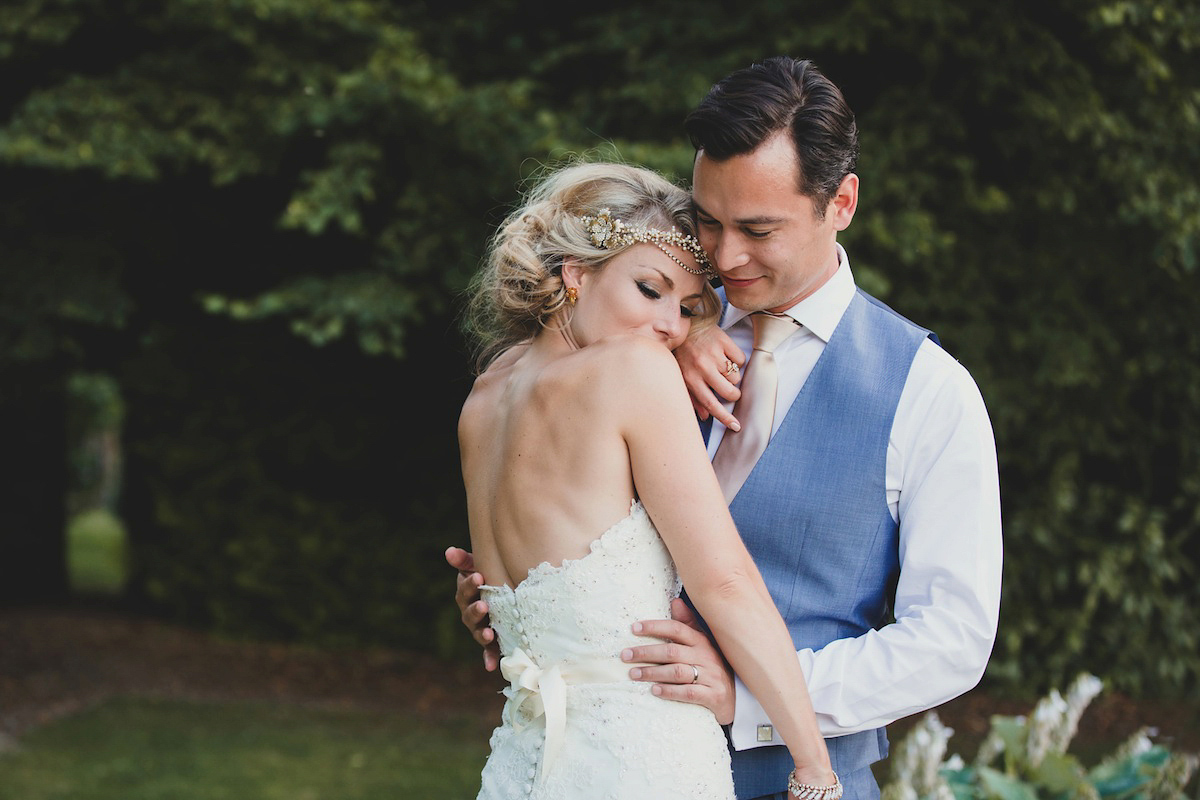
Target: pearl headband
x: 608, y: 234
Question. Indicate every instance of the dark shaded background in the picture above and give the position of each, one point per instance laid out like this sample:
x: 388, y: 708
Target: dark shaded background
x: 257, y: 217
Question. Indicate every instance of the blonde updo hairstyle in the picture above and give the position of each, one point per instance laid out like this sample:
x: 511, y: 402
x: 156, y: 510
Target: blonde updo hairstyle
x: 520, y: 289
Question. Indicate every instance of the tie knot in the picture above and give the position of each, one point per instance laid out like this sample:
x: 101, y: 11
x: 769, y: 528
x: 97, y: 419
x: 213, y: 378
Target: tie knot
x: 771, y: 329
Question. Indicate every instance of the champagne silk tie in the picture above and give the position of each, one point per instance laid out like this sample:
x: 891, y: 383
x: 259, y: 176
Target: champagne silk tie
x: 739, y: 451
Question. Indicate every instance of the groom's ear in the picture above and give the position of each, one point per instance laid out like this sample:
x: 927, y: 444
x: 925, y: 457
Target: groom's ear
x: 844, y: 202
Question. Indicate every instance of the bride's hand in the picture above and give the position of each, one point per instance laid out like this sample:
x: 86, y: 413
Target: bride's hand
x: 474, y: 610
x: 686, y: 646
x: 711, y: 365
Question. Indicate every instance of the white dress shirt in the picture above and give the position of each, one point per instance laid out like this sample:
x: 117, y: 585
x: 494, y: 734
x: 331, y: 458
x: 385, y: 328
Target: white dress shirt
x: 943, y: 489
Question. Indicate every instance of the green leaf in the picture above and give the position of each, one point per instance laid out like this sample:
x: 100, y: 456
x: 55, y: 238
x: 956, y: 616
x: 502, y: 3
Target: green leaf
x: 1059, y: 773
x: 1012, y: 732
x: 999, y: 786
x: 1122, y: 776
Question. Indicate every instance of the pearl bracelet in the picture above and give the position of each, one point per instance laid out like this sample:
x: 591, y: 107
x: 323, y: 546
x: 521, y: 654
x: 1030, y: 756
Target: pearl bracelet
x: 805, y: 791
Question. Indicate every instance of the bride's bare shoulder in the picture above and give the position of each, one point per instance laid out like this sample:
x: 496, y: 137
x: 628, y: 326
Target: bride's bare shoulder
x: 489, y: 385
x: 634, y: 364
x: 509, y: 357
x: 499, y: 370
x: 501, y: 366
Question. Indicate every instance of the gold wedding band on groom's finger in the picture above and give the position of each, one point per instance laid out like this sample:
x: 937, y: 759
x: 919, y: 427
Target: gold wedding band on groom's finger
x: 730, y: 367
x: 695, y: 673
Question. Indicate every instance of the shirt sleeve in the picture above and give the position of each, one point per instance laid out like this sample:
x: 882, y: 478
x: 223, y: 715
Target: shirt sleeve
x: 943, y: 488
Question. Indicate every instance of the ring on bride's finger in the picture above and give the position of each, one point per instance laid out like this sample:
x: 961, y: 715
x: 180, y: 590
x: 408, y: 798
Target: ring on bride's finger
x: 695, y: 673
x: 730, y: 367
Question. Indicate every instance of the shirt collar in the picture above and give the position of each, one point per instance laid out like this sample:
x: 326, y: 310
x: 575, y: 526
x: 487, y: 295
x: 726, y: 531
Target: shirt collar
x: 822, y: 310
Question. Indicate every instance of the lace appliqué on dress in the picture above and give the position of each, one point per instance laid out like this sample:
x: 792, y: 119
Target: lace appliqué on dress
x: 617, y: 740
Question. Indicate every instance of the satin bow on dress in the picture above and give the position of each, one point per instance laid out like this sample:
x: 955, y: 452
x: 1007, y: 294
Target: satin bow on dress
x: 542, y: 691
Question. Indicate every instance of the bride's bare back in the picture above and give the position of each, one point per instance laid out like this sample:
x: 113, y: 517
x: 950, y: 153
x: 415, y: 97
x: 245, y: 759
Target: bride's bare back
x: 545, y: 463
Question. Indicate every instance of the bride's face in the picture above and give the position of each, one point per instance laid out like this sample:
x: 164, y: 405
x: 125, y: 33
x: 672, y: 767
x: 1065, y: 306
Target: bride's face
x: 640, y: 291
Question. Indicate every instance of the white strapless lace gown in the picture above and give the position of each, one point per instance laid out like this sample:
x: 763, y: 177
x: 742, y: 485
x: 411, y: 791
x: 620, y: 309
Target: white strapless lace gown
x: 575, y: 727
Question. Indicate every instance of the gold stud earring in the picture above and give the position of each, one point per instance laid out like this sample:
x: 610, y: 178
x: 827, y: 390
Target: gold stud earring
x: 572, y: 295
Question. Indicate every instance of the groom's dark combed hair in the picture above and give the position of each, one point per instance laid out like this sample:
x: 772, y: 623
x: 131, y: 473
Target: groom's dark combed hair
x: 750, y: 105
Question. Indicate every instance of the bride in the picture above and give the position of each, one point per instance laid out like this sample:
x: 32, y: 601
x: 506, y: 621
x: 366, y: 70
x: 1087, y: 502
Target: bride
x: 590, y: 497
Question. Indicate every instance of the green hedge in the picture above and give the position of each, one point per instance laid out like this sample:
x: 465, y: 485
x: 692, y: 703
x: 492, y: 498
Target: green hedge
x: 282, y: 492
x: 318, y: 173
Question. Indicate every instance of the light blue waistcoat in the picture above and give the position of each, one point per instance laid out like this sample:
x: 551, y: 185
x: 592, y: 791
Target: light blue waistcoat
x: 814, y: 514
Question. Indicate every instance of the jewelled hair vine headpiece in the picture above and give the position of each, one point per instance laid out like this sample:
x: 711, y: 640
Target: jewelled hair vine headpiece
x: 608, y: 233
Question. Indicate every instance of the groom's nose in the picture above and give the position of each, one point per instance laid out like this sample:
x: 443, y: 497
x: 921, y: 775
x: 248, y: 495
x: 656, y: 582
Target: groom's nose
x: 729, y: 251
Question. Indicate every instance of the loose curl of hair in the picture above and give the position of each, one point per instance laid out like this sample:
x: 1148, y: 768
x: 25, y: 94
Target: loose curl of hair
x: 520, y: 288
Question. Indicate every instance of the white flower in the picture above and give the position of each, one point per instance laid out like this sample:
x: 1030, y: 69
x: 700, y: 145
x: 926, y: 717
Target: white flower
x: 1079, y: 695
x: 1044, y: 725
x: 989, y: 749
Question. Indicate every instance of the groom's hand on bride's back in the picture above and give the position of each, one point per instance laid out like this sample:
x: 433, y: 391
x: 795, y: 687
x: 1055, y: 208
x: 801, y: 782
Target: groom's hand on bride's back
x: 685, y: 646
x: 474, y: 610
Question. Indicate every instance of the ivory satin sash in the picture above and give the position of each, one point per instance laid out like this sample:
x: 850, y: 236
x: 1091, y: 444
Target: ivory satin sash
x: 543, y: 691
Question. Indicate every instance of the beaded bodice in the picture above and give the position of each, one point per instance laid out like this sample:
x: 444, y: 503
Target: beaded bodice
x: 575, y: 725
x: 584, y: 608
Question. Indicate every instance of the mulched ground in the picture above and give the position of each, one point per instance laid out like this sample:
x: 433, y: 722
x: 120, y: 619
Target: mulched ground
x: 55, y: 662
x: 58, y: 661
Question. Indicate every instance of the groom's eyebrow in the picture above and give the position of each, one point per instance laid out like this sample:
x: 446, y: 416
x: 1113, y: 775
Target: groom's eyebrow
x: 745, y: 221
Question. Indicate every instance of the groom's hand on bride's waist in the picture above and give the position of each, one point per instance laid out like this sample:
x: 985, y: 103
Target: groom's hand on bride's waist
x: 474, y: 610
x: 687, y: 665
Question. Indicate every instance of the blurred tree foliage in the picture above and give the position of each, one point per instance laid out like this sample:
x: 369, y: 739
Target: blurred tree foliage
x: 183, y: 182
x: 93, y: 430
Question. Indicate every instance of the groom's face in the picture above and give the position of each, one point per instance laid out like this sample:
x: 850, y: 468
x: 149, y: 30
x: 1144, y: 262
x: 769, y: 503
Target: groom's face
x: 770, y: 247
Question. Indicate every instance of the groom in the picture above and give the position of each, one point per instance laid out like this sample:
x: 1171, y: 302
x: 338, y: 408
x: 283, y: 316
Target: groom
x: 871, y: 496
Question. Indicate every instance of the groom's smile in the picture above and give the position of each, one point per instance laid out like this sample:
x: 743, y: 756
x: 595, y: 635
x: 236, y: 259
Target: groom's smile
x: 771, y: 247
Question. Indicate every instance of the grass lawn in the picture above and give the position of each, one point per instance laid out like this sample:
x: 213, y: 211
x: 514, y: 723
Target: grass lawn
x: 100, y: 705
x: 96, y: 553
x: 145, y: 749
x: 152, y: 749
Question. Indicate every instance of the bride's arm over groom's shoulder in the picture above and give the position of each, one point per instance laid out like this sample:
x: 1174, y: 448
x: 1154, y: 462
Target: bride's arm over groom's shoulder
x: 680, y: 492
